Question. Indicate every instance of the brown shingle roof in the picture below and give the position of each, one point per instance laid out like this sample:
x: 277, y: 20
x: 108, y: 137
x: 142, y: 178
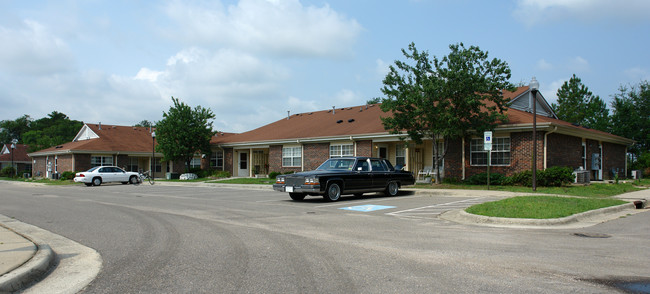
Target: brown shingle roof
x: 326, y: 123
x: 19, y: 153
x: 111, y: 138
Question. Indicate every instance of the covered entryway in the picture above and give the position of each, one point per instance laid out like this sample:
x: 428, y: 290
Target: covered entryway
x: 242, y: 166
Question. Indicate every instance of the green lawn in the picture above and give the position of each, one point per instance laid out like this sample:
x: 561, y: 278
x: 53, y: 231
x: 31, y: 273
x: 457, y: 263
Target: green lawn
x: 595, y: 190
x: 540, y: 207
x: 255, y: 181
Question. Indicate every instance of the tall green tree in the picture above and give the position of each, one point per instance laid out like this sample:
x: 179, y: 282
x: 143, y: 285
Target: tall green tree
x: 55, y: 129
x: 631, y: 116
x: 14, y: 129
x: 576, y: 104
x: 183, y: 132
x: 144, y: 123
x: 447, y: 98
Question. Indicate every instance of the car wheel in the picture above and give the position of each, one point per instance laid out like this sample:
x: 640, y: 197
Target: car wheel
x: 333, y: 192
x: 297, y: 196
x: 392, y: 189
x: 97, y: 181
x: 133, y: 180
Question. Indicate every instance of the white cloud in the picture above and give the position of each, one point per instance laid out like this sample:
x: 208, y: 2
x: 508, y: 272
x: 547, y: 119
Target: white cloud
x: 542, y: 64
x: 382, y: 68
x: 578, y: 64
x: 32, y: 49
x: 637, y: 74
x: 531, y: 12
x: 550, y: 91
x: 285, y: 28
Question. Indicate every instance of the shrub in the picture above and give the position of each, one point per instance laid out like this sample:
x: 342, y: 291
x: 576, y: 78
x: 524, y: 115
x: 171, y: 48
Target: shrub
x: 221, y: 174
x: 481, y: 179
x: 556, y: 176
x: 67, y: 175
x: 524, y: 178
x: 8, y: 171
x: 273, y: 175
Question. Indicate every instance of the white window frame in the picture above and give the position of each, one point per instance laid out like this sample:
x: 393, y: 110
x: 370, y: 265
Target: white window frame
x: 341, y: 150
x: 501, y: 151
x: 194, y: 163
x: 292, y: 156
x: 103, y: 160
x: 216, y: 160
x: 400, y: 153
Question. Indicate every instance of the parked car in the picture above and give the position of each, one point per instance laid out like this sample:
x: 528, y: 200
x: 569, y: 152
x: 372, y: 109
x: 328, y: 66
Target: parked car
x: 106, y: 174
x: 345, y: 175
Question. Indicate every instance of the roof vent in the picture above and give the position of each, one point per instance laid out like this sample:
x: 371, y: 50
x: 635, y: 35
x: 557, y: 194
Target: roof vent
x: 288, y: 114
x: 57, y: 147
x: 339, y: 121
x: 333, y: 109
x: 100, y: 125
x: 351, y: 120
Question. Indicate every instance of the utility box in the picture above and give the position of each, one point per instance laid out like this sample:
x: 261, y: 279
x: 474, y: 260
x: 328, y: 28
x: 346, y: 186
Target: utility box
x: 172, y: 176
x: 581, y: 176
x: 636, y: 174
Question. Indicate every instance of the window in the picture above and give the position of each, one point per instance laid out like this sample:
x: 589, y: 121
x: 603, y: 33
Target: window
x: 341, y: 150
x: 500, y: 154
x: 292, y: 156
x: 216, y: 160
x: 157, y: 165
x: 101, y: 160
x: 194, y: 163
x: 400, y: 155
x: 378, y: 165
x: 132, y: 165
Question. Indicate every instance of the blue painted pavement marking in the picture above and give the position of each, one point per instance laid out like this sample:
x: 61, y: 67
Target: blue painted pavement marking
x: 368, y: 207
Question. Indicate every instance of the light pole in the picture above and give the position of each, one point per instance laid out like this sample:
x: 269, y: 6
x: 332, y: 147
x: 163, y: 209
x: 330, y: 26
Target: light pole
x: 534, y: 86
x: 13, y: 148
x: 153, y: 145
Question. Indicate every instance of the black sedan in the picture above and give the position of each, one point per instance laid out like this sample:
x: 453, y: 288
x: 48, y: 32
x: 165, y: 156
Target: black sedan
x: 345, y: 175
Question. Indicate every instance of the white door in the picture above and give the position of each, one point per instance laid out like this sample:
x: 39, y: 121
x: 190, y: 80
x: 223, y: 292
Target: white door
x: 243, y: 164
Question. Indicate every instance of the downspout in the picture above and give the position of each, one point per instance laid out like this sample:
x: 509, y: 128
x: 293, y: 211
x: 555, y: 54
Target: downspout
x: 546, y: 144
x: 462, y: 160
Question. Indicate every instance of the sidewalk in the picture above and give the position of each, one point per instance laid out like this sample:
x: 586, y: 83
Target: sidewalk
x: 21, y: 260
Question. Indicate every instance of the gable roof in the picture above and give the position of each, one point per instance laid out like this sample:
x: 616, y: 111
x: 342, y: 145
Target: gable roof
x: 19, y: 153
x: 365, y: 122
x: 100, y: 138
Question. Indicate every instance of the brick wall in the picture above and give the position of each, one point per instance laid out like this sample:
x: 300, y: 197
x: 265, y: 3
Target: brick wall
x: 82, y: 162
x: 64, y: 163
x: 364, y: 148
x: 564, y: 150
x: 613, y: 160
x: 228, y: 159
x: 453, y: 160
x: 315, y: 154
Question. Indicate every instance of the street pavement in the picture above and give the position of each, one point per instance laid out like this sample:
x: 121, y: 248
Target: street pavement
x: 28, y: 254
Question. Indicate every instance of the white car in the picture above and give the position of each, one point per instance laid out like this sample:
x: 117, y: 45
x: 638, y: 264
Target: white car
x: 106, y: 174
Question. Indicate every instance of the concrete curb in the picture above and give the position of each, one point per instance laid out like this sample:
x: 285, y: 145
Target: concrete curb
x: 587, y: 218
x: 70, y: 275
x: 32, y: 270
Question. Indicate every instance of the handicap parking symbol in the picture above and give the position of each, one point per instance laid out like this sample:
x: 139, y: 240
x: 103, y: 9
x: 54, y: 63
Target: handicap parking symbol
x: 367, y: 208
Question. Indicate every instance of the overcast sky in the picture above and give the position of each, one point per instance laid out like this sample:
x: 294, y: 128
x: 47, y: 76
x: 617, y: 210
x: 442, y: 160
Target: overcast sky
x: 250, y: 61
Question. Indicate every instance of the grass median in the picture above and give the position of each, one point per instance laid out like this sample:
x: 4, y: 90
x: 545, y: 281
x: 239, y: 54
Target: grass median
x: 540, y: 207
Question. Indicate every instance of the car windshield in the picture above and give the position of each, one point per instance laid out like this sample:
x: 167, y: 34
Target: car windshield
x: 92, y: 169
x: 337, y: 164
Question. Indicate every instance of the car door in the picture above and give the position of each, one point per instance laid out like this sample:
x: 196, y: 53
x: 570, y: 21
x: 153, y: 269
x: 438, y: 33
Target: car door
x: 106, y: 173
x: 380, y: 174
x: 359, y: 178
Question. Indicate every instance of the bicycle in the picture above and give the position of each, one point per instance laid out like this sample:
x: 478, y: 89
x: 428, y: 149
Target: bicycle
x: 146, y: 176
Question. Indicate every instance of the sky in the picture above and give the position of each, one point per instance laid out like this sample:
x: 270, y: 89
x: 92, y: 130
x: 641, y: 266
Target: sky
x: 119, y: 62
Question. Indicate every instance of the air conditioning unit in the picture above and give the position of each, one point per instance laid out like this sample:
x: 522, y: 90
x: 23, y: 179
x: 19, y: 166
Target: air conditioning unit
x: 636, y: 174
x: 581, y: 176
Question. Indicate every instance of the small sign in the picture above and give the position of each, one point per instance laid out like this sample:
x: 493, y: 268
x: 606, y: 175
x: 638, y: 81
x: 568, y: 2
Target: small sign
x: 487, y: 137
x: 367, y: 208
x: 487, y: 141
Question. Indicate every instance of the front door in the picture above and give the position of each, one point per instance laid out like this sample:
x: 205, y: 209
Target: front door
x: 243, y: 164
x: 383, y: 152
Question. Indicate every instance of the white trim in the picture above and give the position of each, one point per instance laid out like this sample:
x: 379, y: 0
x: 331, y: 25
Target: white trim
x: 85, y: 134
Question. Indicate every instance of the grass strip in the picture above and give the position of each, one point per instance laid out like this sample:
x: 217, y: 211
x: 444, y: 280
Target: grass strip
x: 540, y: 207
x: 255, y: 181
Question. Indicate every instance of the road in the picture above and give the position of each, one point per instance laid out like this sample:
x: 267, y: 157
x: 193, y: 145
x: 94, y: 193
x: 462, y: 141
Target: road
x: 206, y: 239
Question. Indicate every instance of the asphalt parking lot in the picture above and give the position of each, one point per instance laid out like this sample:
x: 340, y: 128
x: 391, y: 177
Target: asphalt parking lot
x: 208, y: 238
